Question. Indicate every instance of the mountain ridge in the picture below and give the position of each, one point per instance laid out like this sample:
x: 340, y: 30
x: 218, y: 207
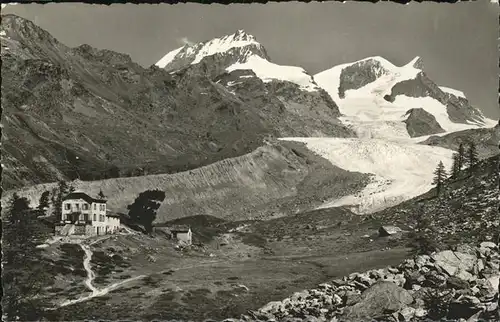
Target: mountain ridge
x: 85, y: 113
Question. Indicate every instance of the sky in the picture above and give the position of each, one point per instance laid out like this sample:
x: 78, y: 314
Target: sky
x: 457, y: 42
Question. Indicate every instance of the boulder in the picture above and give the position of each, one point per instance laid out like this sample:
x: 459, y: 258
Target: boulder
x: 488, y: 244
x: 406, y: 314
x: 454, y: 262
x: 420, y: 312
x: 385, y: 231
x: 464, y: 308
x: 457, y: 283
x: 464, y: 275
x: 422, y: 260
x: 380, y: 298
x: 466, y: 249
x: 494, y: 281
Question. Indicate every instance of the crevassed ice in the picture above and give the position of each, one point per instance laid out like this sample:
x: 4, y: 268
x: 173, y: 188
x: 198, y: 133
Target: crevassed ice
x: 401, y: 170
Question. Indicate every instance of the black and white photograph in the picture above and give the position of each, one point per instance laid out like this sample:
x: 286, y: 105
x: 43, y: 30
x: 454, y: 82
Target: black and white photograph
x: 281, y: 161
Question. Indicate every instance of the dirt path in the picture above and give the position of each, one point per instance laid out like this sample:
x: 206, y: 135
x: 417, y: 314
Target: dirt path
x: 91, y: 276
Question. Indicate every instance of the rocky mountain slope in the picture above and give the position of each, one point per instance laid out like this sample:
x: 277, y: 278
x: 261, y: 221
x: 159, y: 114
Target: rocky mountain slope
x: 460, y: 280
x: 485, y: 139
x: 278, y: 179
x: 90, y: 114
x: 454, y: 285
x: 466, y: 211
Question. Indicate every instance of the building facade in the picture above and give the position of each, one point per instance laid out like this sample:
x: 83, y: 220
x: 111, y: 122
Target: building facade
x: 83, y: 215
x: 182, y: 234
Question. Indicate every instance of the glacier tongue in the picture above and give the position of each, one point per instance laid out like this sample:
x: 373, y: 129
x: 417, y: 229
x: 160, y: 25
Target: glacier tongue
x: 401, y: 170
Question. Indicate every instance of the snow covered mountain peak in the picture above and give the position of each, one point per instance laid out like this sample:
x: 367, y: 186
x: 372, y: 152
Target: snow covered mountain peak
x: 240, y: 45
x: 242, y: 35
x: 374, y: 96
x: 351, y: 77
x: 237, y: 51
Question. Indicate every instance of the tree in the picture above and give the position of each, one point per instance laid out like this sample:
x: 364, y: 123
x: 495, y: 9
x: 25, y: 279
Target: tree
x: 421, y: 237
x: 472, y: 157
x: 455, y: 168
x: 101, y: 195
x: 439, y: 177
x: 60, y: 192
x: 461, y: 156
x: 44, y: 201
x: 23, y: 272
x: 143, y: 210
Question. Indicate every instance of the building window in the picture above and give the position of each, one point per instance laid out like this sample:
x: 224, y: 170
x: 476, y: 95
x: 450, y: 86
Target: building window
x: 95, y: 217
x: 85, y: 206
x: 95, y: 206
x: 67, y: 206
x: 77, y: 206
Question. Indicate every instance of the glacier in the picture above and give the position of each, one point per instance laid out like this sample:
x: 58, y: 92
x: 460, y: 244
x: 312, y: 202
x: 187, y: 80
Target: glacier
x: 401, y: 171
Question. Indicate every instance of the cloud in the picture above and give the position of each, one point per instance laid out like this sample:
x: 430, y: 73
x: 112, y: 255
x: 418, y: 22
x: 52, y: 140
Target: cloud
x: 185, y: 41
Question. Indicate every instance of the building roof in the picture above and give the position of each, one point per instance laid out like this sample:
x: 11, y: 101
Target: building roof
x: 179, y: 229
x: 112, y: 214
x: 84, y: 196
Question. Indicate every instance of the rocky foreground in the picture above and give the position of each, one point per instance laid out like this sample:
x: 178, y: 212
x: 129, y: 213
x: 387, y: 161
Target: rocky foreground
x: 460, y: 284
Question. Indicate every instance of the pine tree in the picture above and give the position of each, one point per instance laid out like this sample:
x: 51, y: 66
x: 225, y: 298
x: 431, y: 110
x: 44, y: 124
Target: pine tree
x: 421, y: 237
x: 24, y: 273
x: 101, y: 195
x: 455, y: 168
x: 461, y: 156
x: 472, y: 157
x: 62, y: 190
x: 439, y: 177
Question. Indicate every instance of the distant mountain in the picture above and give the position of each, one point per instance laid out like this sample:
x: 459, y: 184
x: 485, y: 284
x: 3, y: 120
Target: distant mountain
x: 241, y: 64
x: 392, y: 109
x: 85, y: 113
x: 235, y: 48
x: 375, y: 97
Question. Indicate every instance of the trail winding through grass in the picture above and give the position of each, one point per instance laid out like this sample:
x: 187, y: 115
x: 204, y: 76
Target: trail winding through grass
x: 91, y: 276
